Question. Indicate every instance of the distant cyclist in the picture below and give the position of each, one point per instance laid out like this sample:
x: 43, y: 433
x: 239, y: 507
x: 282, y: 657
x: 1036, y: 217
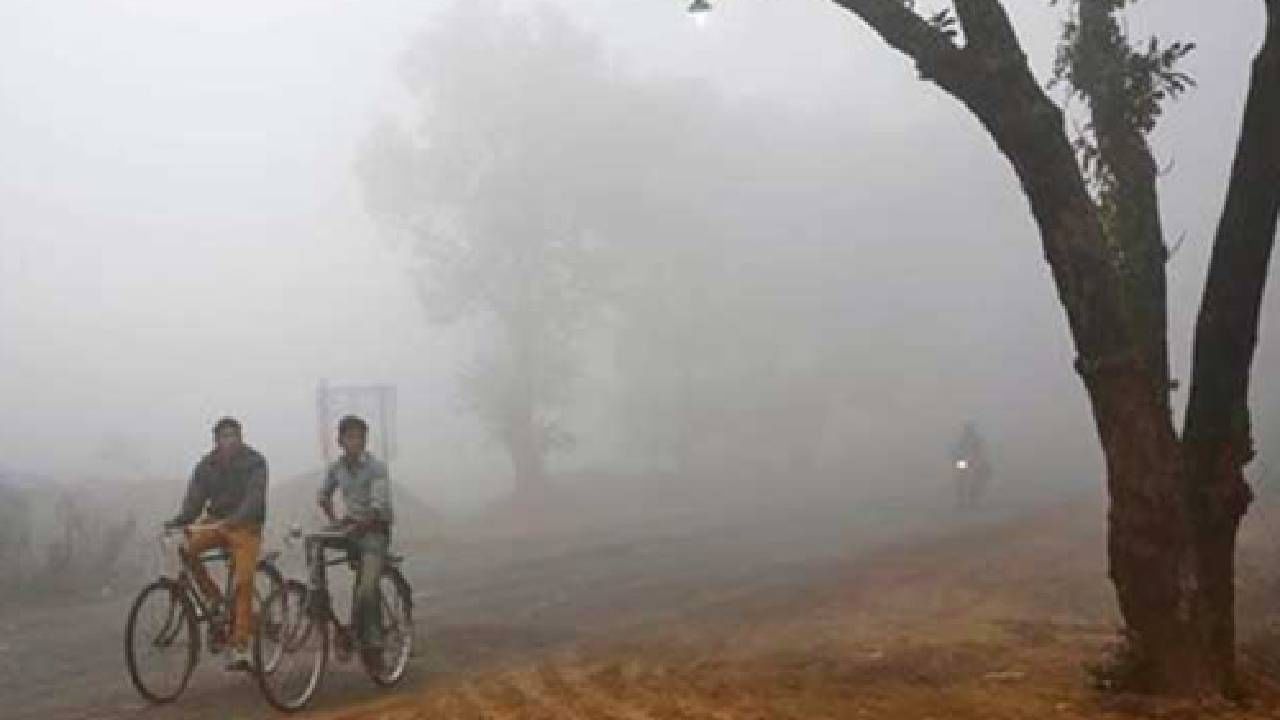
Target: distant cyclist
x: 971, y: 467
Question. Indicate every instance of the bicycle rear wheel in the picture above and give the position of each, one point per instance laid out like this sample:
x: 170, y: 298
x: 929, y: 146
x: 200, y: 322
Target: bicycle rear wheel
x: 397, y: 628
x: 160, y: 641
x: 298, y: 640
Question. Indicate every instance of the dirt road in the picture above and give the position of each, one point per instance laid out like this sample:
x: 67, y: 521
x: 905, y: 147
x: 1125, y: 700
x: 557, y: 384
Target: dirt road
x: 478, y: 603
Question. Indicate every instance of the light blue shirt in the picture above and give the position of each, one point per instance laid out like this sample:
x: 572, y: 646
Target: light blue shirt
x: 366, y: 487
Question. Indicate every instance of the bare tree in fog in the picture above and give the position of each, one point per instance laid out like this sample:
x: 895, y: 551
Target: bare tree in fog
x: 487, y: 196
x: 553, y: 201
x: 1176, y: 503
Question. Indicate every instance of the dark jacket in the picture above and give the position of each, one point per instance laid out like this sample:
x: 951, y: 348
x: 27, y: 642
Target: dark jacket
x: 235, y: 491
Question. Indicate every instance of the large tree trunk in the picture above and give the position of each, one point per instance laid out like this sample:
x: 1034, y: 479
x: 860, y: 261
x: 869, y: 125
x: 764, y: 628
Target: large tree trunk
x: 1151, y: 556
x: 1217, y: 438
x: 1166, y: 651
x: 1175, y: 506
x: 1151, y: 559
x: 1150, y: 550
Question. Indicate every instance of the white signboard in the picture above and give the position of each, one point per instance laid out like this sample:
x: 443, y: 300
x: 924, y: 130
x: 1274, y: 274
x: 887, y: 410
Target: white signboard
x: 375, y: 404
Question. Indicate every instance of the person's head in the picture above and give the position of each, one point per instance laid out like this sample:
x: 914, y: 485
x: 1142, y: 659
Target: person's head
x: 226, y: 436
x: 353, y: 434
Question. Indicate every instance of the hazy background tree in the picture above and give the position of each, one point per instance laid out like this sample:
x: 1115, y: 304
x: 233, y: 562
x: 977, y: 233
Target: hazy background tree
x: 666, y: 269
x: 484, y: 192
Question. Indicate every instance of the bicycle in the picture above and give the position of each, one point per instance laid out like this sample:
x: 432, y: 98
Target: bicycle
x: 162, y: 628
x: 295, y: 626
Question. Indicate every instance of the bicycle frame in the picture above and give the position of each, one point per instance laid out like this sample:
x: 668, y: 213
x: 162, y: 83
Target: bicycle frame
x: 317, y: 631
x: 203, y: 610
x: 319, y: 600
x: 187, y: 611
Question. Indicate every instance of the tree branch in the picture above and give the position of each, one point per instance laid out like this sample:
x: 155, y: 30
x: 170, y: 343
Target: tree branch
x: 987, y: 27
x: 1227, y: 326
x: 1134, y: 227
x: 906, y: 32
x: 1004, y: 95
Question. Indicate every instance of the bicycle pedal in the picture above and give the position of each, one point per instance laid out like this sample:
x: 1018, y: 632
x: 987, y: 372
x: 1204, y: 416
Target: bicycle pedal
x: 343, y: 650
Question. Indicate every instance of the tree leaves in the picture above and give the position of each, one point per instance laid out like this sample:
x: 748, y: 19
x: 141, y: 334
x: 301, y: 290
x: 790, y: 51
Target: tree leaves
x: 1132, y: 82
x: 944, y: 22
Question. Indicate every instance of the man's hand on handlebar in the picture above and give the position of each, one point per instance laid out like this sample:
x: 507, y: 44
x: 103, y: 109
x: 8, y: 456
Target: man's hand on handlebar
x: 176, y: 526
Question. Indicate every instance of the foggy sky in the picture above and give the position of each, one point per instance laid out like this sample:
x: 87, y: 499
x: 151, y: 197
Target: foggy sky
x: 182, y: 235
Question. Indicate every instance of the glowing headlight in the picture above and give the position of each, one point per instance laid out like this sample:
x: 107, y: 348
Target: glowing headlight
x: 962, y: 464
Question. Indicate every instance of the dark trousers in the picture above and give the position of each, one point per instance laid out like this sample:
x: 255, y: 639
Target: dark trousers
x: 369, y: 550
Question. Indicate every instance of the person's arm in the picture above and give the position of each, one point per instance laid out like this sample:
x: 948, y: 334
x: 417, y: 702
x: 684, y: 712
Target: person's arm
x: 192, y: 503
x: 254, y: 504
x: 325, y: 497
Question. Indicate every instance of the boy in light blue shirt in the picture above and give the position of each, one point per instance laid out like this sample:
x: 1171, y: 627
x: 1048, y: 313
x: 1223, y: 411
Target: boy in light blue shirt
x: 366, y: 493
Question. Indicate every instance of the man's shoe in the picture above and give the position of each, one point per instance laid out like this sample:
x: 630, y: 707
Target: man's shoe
x: 239, y: 661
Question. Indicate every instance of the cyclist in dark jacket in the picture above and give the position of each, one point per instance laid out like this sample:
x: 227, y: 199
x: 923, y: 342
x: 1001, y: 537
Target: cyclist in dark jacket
x: 229, y: 487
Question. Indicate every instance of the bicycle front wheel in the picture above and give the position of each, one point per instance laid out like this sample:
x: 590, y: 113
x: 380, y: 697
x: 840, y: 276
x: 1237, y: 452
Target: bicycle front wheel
x: 266, y: 580
x: 160, y: 641
x: 290, y: 648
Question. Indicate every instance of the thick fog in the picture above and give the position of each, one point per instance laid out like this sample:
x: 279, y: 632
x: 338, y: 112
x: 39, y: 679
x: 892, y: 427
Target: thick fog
x: 200, y: 216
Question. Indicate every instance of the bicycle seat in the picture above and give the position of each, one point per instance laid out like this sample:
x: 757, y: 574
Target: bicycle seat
x: 328, y: 535
x: 394, y: 558
x: 214, y: 555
